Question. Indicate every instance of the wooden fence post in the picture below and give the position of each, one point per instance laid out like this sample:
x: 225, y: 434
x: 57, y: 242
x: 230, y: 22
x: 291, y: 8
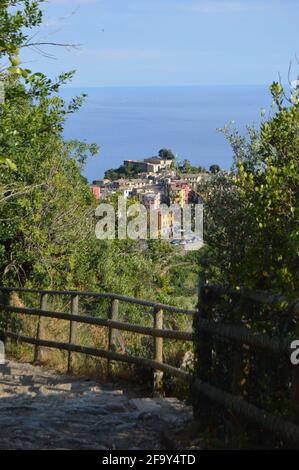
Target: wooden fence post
x: 4, y: 319
x: 203, y: 345
x: 237, y: 386
x: 73, y: 330
x: 240, y: 363
x: 13, y: 301
x: 158, y: 352
x: 39, y: 353
x: 113, y: 315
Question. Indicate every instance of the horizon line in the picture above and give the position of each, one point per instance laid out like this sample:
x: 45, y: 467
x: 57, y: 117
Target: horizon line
x: 172, y: 86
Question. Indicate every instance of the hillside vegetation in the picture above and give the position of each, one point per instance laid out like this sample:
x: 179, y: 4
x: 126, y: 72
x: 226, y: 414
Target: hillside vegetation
x: 47, y: 221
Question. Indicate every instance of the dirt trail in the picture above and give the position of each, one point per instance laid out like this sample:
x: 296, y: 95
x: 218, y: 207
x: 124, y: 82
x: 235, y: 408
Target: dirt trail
x: 40, y: 409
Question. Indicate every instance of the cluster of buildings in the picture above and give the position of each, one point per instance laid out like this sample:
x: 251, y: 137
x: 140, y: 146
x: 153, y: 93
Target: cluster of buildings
x: 149, y: 165
x: 156, y: 182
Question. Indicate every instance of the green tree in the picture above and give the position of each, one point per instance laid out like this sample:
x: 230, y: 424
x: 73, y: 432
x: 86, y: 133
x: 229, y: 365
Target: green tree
x: 214, y: 169
x: 17, y: 18
x: 46, y: 205
x: 267, y: 179
x: 251, y: 215
x: 166, y: 154
x: 226, y: 229
x: 187, y: 167
x: 251, y: 234
x: 40, y: 228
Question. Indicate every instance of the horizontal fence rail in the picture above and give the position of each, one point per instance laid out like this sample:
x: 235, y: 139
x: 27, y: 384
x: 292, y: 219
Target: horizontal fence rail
x: 231, y: 333
x: 237, y: 334
x: 140, y: 361
x: 254, y: 295
x: 208, y: 330
x: 112, y: 323
x: 242, y: 335
x: 123, y: 326
x: 274, y: 424
x: 103, y: 295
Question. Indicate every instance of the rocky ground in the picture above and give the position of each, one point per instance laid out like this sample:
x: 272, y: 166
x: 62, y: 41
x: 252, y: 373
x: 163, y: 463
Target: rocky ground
x: 40, y: 409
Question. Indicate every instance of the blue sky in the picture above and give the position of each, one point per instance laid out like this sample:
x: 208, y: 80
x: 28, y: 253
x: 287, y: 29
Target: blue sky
x: 169, y: 42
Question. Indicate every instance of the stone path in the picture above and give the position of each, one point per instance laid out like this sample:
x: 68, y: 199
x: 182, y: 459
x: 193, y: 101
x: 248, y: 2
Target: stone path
x: 40, y: 409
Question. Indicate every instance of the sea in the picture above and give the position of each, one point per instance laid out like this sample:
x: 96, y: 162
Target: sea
x: 136, y: 122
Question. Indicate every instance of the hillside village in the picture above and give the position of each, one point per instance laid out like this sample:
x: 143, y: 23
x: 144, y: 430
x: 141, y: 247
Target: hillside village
x: 152, y: 181
x: 157, y: 182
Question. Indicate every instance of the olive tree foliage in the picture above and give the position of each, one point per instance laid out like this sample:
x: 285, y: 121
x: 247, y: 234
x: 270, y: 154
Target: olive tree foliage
x: 17, y: 18
x: 251, y: 213
x: 268, y: 184
x: 46, y: 206
x: 214, y: 169
x: 224, y: 230
x: 47, y: 225
x: 251, y: 234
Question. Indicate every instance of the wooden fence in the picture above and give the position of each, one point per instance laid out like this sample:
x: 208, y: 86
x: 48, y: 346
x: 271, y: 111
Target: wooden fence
x: 113, y: 324
x: 208, y: 332
x: 203, y: 324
